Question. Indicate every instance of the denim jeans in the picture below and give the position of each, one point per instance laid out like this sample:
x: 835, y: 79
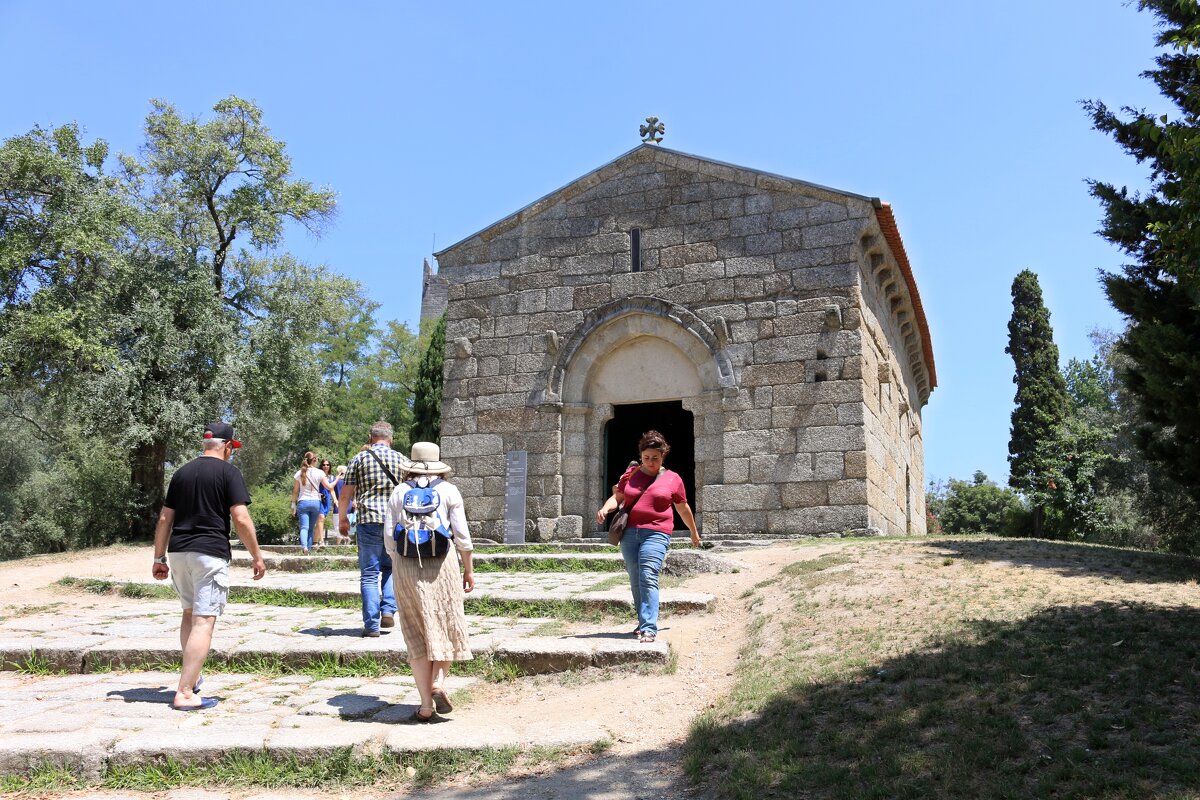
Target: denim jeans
x: 374, y: 567
x: 307, y: 511
x: 644, y: 551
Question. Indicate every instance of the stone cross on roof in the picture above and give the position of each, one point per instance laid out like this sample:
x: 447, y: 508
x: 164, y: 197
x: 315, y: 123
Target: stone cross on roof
x: 652, y: 132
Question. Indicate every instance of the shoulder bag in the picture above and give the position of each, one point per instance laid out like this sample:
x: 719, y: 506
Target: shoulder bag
x: 617, y: 529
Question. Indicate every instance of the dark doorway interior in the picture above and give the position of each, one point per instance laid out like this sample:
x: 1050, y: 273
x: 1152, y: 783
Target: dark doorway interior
x: 629, y: 422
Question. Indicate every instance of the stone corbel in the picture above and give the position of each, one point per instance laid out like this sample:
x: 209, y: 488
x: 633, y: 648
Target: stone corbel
x: 462, y: 347
x: 833, y: 316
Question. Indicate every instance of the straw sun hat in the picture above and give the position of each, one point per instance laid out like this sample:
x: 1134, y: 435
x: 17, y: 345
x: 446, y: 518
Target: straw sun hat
x: 427, y: 460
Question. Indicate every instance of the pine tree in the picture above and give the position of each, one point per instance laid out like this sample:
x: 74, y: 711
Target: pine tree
x: 1041, y: 398
x: 1159, y: 293
x: 427, y: 400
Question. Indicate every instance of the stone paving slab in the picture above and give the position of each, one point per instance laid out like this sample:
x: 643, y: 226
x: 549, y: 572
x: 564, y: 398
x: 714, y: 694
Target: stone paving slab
x: 125, y: 718
x: 94, y: 638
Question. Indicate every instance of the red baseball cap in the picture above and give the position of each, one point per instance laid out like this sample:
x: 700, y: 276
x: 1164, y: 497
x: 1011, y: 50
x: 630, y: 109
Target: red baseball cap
x: 221, y: 430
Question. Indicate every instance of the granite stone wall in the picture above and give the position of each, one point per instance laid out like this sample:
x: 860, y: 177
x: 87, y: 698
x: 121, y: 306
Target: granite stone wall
x: 758, y: 304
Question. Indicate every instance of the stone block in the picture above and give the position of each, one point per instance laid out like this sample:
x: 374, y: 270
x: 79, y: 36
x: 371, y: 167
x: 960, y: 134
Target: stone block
x: 832, y: 234
x: 560, y: 298
x: 750, y: 443
x: 661, y: 237
x: 739, y: 521
x: 848, y: 492
x: 742, y: 497
x: 731, y: 248
x: 475, y: 445
x: 808, y: 279
x: 805, y: 495
x: 819, y: 521
x: 781, y: 468
x: 531, y: 302
x: 789, y: 219
x: 759, y: 204
x: 618, y: 652
x: 706, y: 231
x: 827, y: 212
x: 82, y: 751
x: 512, y: 326
x: 748, y: 287
x: 728, y: 207
x: 829, y: 466
x: 764, y: 244
x: 539, y: 656
x: 737, y: 470
x: 855, y: 464
x: 750, y: 225
x: 680, y: 255
x: 829, y: 438
x: 749, y: 265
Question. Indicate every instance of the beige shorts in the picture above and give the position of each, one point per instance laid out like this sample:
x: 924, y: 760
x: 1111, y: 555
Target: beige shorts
x: 202, y: 582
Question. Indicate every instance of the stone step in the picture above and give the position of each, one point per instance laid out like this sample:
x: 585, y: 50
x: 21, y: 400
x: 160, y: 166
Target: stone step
x: 131, y: 634
x: 542, y: 562
x: 91, y: 723
x: 721, y: 540
x: 530, y: 588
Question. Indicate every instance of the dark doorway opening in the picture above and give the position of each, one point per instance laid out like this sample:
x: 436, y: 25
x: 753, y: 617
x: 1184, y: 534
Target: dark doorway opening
x: 629, y: 422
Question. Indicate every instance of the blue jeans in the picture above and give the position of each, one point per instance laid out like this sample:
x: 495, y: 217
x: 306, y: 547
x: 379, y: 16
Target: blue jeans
x: 307, y: 511
x: 644, y: 551
x: 374, y: 566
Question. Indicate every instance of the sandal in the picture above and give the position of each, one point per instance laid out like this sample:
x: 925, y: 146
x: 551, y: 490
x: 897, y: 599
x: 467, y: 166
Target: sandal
x: 441, y: 702
x: 646, y: 637
x: 416, y: 716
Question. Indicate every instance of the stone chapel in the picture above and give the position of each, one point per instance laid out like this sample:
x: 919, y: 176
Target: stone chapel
x: 769, y: 327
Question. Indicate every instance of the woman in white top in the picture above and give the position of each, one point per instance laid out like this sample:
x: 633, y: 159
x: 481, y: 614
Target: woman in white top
x: 430, y: 590
x: 306, y: 497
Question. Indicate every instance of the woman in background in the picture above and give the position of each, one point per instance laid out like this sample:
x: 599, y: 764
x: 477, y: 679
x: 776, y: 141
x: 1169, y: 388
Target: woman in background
x: 328, y: 499
x: 306, y: 498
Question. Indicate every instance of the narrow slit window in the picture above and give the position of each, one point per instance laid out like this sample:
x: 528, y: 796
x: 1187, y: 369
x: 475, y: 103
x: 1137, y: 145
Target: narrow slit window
x: 635, y: 250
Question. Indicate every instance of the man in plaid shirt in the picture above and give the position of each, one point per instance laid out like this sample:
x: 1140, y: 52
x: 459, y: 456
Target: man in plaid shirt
x: 370, y: 485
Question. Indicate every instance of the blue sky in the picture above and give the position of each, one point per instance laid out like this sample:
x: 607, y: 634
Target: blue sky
x: 433, y: 120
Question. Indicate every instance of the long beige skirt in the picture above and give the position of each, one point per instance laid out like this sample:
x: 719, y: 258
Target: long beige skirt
x: 429, y: 601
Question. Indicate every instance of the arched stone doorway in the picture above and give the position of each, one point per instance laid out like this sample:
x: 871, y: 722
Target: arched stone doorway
x: 628, y: 362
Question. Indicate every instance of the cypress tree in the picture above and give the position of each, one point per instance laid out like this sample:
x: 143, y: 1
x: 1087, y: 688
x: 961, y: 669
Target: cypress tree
x: 1041, y: 397
x: 427, y: 397
x: 1159, y: 292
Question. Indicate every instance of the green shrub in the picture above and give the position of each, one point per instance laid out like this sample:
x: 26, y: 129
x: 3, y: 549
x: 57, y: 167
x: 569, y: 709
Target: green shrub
x: 271, y: 510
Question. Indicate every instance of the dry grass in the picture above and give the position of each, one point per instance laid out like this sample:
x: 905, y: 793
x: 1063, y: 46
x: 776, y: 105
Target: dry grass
x: 965, y: 668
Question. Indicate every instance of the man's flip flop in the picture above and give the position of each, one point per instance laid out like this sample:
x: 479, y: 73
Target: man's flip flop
x: 206, y: 703
x: 199, y: 683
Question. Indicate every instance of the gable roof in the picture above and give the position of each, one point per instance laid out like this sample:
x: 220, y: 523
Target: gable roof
x: 746, y: 175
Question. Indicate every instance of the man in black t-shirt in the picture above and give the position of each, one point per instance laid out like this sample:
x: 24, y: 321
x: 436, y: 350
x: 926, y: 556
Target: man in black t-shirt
x: 194, y: 529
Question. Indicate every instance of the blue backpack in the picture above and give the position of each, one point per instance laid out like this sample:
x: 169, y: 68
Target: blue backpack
x: 421, y: 531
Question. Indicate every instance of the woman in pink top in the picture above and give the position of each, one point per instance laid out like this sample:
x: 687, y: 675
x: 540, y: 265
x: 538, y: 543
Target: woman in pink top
x: 651, y: 493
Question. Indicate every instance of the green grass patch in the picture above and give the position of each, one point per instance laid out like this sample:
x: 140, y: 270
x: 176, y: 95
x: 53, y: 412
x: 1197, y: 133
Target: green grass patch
x: 335, y: 769
x: 515, y: 563
x: 44, y: 778
x: 35, y: 664
x: 542, y: 548
x: 566, y: 609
